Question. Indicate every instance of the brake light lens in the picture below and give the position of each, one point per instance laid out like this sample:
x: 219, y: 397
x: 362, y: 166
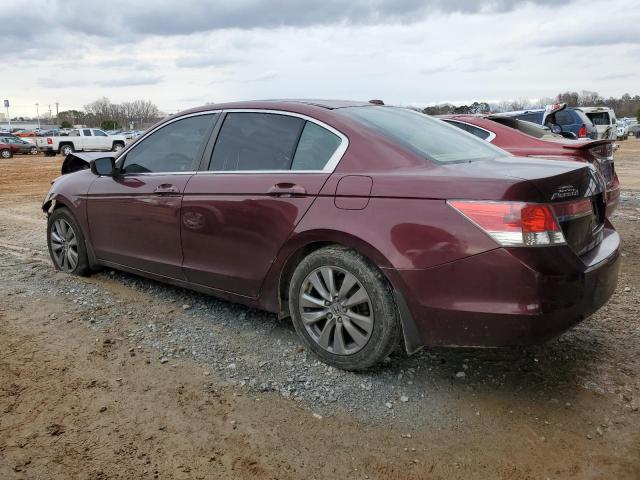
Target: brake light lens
x: 602, y: 152
x: 567, y: 211
x: 582, y: 133
x: 49, y: 141
x: 513, y: 224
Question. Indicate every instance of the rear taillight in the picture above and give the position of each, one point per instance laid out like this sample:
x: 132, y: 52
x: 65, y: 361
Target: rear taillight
x: 513, y: 224
x: 602, y: 152
x: 49, y: 141
x: 582, y: 133
x: 567, y: 211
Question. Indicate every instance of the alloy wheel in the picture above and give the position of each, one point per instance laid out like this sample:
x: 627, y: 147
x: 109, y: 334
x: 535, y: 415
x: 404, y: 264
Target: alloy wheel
x: 64, y: 245
x: 6, y: 154
x: 336, y: 310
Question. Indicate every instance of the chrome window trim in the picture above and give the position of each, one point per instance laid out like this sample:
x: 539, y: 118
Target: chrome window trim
x: 331, y: 164
x: 489, y: 139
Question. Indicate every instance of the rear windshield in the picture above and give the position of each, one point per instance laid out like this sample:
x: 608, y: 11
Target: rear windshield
x: 426, y: 136
x: 599, y: 118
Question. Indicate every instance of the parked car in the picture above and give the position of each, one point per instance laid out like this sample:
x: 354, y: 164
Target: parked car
x: 5, y: 151
x: 526, y: 139
x: 566, y: 121
x: 604, y: 119
x: 19, y: 145
x: 622, y: 130
x: 81, y: 139
x: 364, y: 223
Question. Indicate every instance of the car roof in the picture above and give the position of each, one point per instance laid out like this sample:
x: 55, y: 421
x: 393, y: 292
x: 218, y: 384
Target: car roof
x: 281, y: 104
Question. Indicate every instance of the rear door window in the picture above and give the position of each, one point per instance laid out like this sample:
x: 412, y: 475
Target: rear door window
x: 564, y: 117
x: 257, y: 141
x: 176, y: 147
x: 86, y: 132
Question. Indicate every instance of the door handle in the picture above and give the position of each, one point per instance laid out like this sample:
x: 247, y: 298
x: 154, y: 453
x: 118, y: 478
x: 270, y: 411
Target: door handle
x: 287, y: 190
x: 166, y: 189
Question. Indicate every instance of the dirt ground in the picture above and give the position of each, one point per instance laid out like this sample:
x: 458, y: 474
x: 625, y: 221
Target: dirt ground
x: 84, y: 399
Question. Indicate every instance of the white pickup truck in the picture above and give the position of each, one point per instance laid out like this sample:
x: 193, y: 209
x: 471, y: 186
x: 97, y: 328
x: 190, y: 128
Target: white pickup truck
x: 81, y: 139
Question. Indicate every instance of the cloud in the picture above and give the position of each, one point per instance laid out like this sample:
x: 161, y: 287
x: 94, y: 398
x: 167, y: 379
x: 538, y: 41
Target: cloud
x: 133, y: 81
x: 204, y: 61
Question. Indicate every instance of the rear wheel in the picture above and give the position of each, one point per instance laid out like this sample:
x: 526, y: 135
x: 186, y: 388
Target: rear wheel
x: 33, y: 150
x: 66, y: 150
x: 117, y: 147
x: 66, y: 243
x: 342, y: 307
x: 6, y: 153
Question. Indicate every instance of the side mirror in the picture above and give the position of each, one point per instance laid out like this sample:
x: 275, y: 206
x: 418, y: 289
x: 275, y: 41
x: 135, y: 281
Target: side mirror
x: 105, y: 166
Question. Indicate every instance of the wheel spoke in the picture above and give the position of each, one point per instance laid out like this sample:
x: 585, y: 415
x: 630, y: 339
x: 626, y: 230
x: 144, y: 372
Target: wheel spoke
x: 70, y: 233
x: 339, y: 346
x: 357, y: 298
x: 355, y: 334
x: 63, y: 264
x: 362, y: 321
x: 59, y: 257
x: 72, y: 258
x: 329, y: 280
x: 314, y: 278
x: 311, y: 302
x: 310, y: 318
x: 55, y: 238
x: 347, y: 284
x: 323, y: 341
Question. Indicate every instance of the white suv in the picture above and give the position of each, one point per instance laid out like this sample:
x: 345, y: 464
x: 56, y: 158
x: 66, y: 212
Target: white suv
x: 604, y: 119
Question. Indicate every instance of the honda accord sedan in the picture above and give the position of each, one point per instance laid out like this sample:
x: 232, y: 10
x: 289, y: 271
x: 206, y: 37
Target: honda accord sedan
x: 368, y: 225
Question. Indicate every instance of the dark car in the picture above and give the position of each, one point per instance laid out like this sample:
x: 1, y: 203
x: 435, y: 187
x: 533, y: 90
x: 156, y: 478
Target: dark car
x: 18, y: 145
x: 5, y: 151
x: 567, y: 121
x: 526, y: 139
x: 366, y: 224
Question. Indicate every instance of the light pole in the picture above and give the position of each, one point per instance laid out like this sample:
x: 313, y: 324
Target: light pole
x: 6, y: 104
x: 38, y: 114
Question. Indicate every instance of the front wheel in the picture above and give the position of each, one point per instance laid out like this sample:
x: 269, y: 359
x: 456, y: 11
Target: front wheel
x: 343, y: 309
x: 6, y: 153
x: 33, y: 150
x: 66, y: 243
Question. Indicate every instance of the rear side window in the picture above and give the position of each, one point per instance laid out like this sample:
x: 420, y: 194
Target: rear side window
x: 478, y: 132
x: 176, y: 147
x: 315, y: 148
x: 256, y: 141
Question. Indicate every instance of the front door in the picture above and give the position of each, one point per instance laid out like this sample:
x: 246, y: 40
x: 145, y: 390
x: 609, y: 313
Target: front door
x: 134, y: 217
x: 265, y: 172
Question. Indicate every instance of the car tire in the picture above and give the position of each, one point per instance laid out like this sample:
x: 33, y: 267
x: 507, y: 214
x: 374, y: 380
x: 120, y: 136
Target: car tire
x: 66, y: 150
x: 6, y: 153
x: 117, y: 146
x: 33, y: 151
x: 342, y: 308
x: 66, y: 243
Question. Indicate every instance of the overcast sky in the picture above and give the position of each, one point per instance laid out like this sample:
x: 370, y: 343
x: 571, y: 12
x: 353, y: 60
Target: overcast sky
x: 410, y: 52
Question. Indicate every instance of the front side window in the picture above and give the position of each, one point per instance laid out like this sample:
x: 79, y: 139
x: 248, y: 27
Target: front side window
x: 428, y: 137
x: 176, y: 147
x: 256, y: 141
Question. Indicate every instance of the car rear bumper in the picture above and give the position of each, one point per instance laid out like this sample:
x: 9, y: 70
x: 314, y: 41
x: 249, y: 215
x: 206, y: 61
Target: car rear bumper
x: 507, y: 296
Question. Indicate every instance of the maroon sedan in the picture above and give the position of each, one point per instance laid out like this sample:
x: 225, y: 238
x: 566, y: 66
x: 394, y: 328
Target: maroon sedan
x: 528, y: 139
x: 366, y: 224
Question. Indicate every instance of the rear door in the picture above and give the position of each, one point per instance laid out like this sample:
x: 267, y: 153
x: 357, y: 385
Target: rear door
x: 102, y: 140
x: 265, y: 171
x: 89, y: 142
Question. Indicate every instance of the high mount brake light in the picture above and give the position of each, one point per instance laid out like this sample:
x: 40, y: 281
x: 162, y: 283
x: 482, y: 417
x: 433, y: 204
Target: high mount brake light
x: 513, y: 224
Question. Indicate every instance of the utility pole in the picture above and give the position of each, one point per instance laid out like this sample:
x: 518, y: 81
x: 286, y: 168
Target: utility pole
x: 50, y: 114
x: 6, y: 105
x: 57, y: 103
x: 38, y: 114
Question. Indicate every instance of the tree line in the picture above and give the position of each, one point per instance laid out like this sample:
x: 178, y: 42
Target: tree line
x: 624, y: 106
x: 111, y: 116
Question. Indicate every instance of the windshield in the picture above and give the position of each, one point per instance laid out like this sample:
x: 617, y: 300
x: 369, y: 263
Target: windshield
x: 426, y: 136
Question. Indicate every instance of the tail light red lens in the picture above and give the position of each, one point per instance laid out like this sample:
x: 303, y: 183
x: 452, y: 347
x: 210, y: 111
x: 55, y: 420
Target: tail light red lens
x: 513, y: 224
x: 49, y: 141
x: 582, y: 133
x: 566, y: 211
